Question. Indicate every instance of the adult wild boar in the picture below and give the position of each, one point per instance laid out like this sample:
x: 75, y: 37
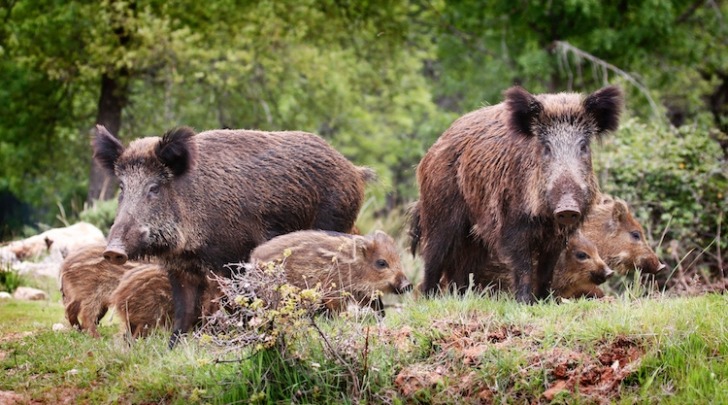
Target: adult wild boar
x: 510, y: 182
x: 200, y: 201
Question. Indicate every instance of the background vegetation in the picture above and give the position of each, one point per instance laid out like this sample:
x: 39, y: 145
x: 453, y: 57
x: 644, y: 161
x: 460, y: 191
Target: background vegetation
x: 379, y: 79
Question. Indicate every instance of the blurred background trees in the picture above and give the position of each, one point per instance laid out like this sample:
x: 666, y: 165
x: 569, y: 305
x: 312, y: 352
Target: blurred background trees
x: 381, y: 80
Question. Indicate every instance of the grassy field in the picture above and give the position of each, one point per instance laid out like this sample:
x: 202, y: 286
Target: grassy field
x: 468, y: 349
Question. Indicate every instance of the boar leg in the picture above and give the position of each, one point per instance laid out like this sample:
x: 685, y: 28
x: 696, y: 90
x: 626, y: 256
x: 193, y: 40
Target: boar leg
x: 72, y: 311
x: 438, y: 252
x: 516, y: 251
x: 186, y: 294
x: 545, y: 271
x: 90, y: 317
x: 471, y: 258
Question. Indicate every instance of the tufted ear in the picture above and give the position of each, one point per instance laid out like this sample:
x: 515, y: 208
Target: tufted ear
x: 523, y: 107
x: 621, y: 211
x: 176, y: 150
x: 605, y: 106
x: 107, y: 148
x: 364, y: 245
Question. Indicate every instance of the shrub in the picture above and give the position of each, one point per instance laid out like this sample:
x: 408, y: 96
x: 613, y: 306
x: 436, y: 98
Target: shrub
x: 101, y: 215
x: 10, y: 279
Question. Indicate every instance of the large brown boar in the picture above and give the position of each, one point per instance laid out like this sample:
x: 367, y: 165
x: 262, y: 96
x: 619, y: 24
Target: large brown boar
x: 510, y: 182
x: 347, y: 267
x: 87, y: 282
x: 619, y: 237
x: 200, y: 201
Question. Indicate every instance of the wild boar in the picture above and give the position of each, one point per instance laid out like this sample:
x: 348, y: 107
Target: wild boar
x: 510, y: 183
x: 346, y: 267
x: 619, y: 237
x: 580, y: 269
x: 87, y: 282
x: 201, y: 201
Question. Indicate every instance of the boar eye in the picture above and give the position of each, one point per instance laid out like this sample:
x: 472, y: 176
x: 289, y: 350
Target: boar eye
x: 584, y: 148
x: 153, y: 189
x: 121, y: 185
x: 381, y: 264
x: 547, y: 150
x: 636, y: 235
x: 581, y: 256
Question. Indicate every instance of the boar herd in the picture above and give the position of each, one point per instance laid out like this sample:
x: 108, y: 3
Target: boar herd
x: 508, y: 199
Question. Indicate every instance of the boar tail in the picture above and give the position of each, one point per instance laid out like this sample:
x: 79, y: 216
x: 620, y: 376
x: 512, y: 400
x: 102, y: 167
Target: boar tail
x: 367, y: 174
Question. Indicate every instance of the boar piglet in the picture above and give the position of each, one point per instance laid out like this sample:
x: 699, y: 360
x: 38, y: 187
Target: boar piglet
x: 201, y: 201
x: 87, y: 282
x: 345, y: 267
x: 620, y: 238
x: 143, y: 300
x: 510, y: 183
x: 580, y: 269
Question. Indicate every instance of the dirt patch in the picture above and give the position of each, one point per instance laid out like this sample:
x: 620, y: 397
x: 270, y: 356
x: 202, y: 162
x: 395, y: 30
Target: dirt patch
x: 11, y: 398
x: 418, y: 377
x: 12, y: 336
x: 597, y: 378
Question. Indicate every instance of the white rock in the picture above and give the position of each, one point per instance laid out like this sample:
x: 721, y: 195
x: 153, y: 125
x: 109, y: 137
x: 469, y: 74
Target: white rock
x: 58, y: 327
x: 5, y: 295
x: 30, y: 294
x: 58, y: 241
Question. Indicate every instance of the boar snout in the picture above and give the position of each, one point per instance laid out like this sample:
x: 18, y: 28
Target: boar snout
x: 115, y: 253
x: 567, y: 211
x: 403, y: 287
x: 608, y: 273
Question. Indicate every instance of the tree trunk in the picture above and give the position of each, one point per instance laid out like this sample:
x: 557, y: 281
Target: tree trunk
x: 113, y: 98
x: 114, y: 92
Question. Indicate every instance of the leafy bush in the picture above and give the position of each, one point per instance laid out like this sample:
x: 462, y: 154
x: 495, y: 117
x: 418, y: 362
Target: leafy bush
x: 101, y: 215
x: 675, y: 179
x: 10, y: 280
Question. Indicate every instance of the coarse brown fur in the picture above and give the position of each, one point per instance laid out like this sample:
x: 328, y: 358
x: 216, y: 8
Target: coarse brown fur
x: 510, y: 182
x: 357, y: 266
x: 87, y: 282
x: 143, y: 300
x: 619, y: 237
x: 201, y: 201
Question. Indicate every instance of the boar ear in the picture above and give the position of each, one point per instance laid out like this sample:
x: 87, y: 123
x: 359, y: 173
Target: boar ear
x: 381, y: 236
x: 604, y: 106
x: 523, y: 107
x: 176, y: 150
x: 107, y: 148
x: 620, y: 210
x: 363, y: 245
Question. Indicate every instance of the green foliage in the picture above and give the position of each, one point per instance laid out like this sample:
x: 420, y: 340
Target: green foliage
x: 379, y: 80
x: 10, y: 279
x: 101, y: 214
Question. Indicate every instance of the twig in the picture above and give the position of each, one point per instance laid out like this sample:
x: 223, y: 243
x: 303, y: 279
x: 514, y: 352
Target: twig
x: 330, y: 348
x: 564, y: 47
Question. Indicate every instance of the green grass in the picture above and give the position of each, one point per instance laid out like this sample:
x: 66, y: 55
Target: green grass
x: 446, y: 350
